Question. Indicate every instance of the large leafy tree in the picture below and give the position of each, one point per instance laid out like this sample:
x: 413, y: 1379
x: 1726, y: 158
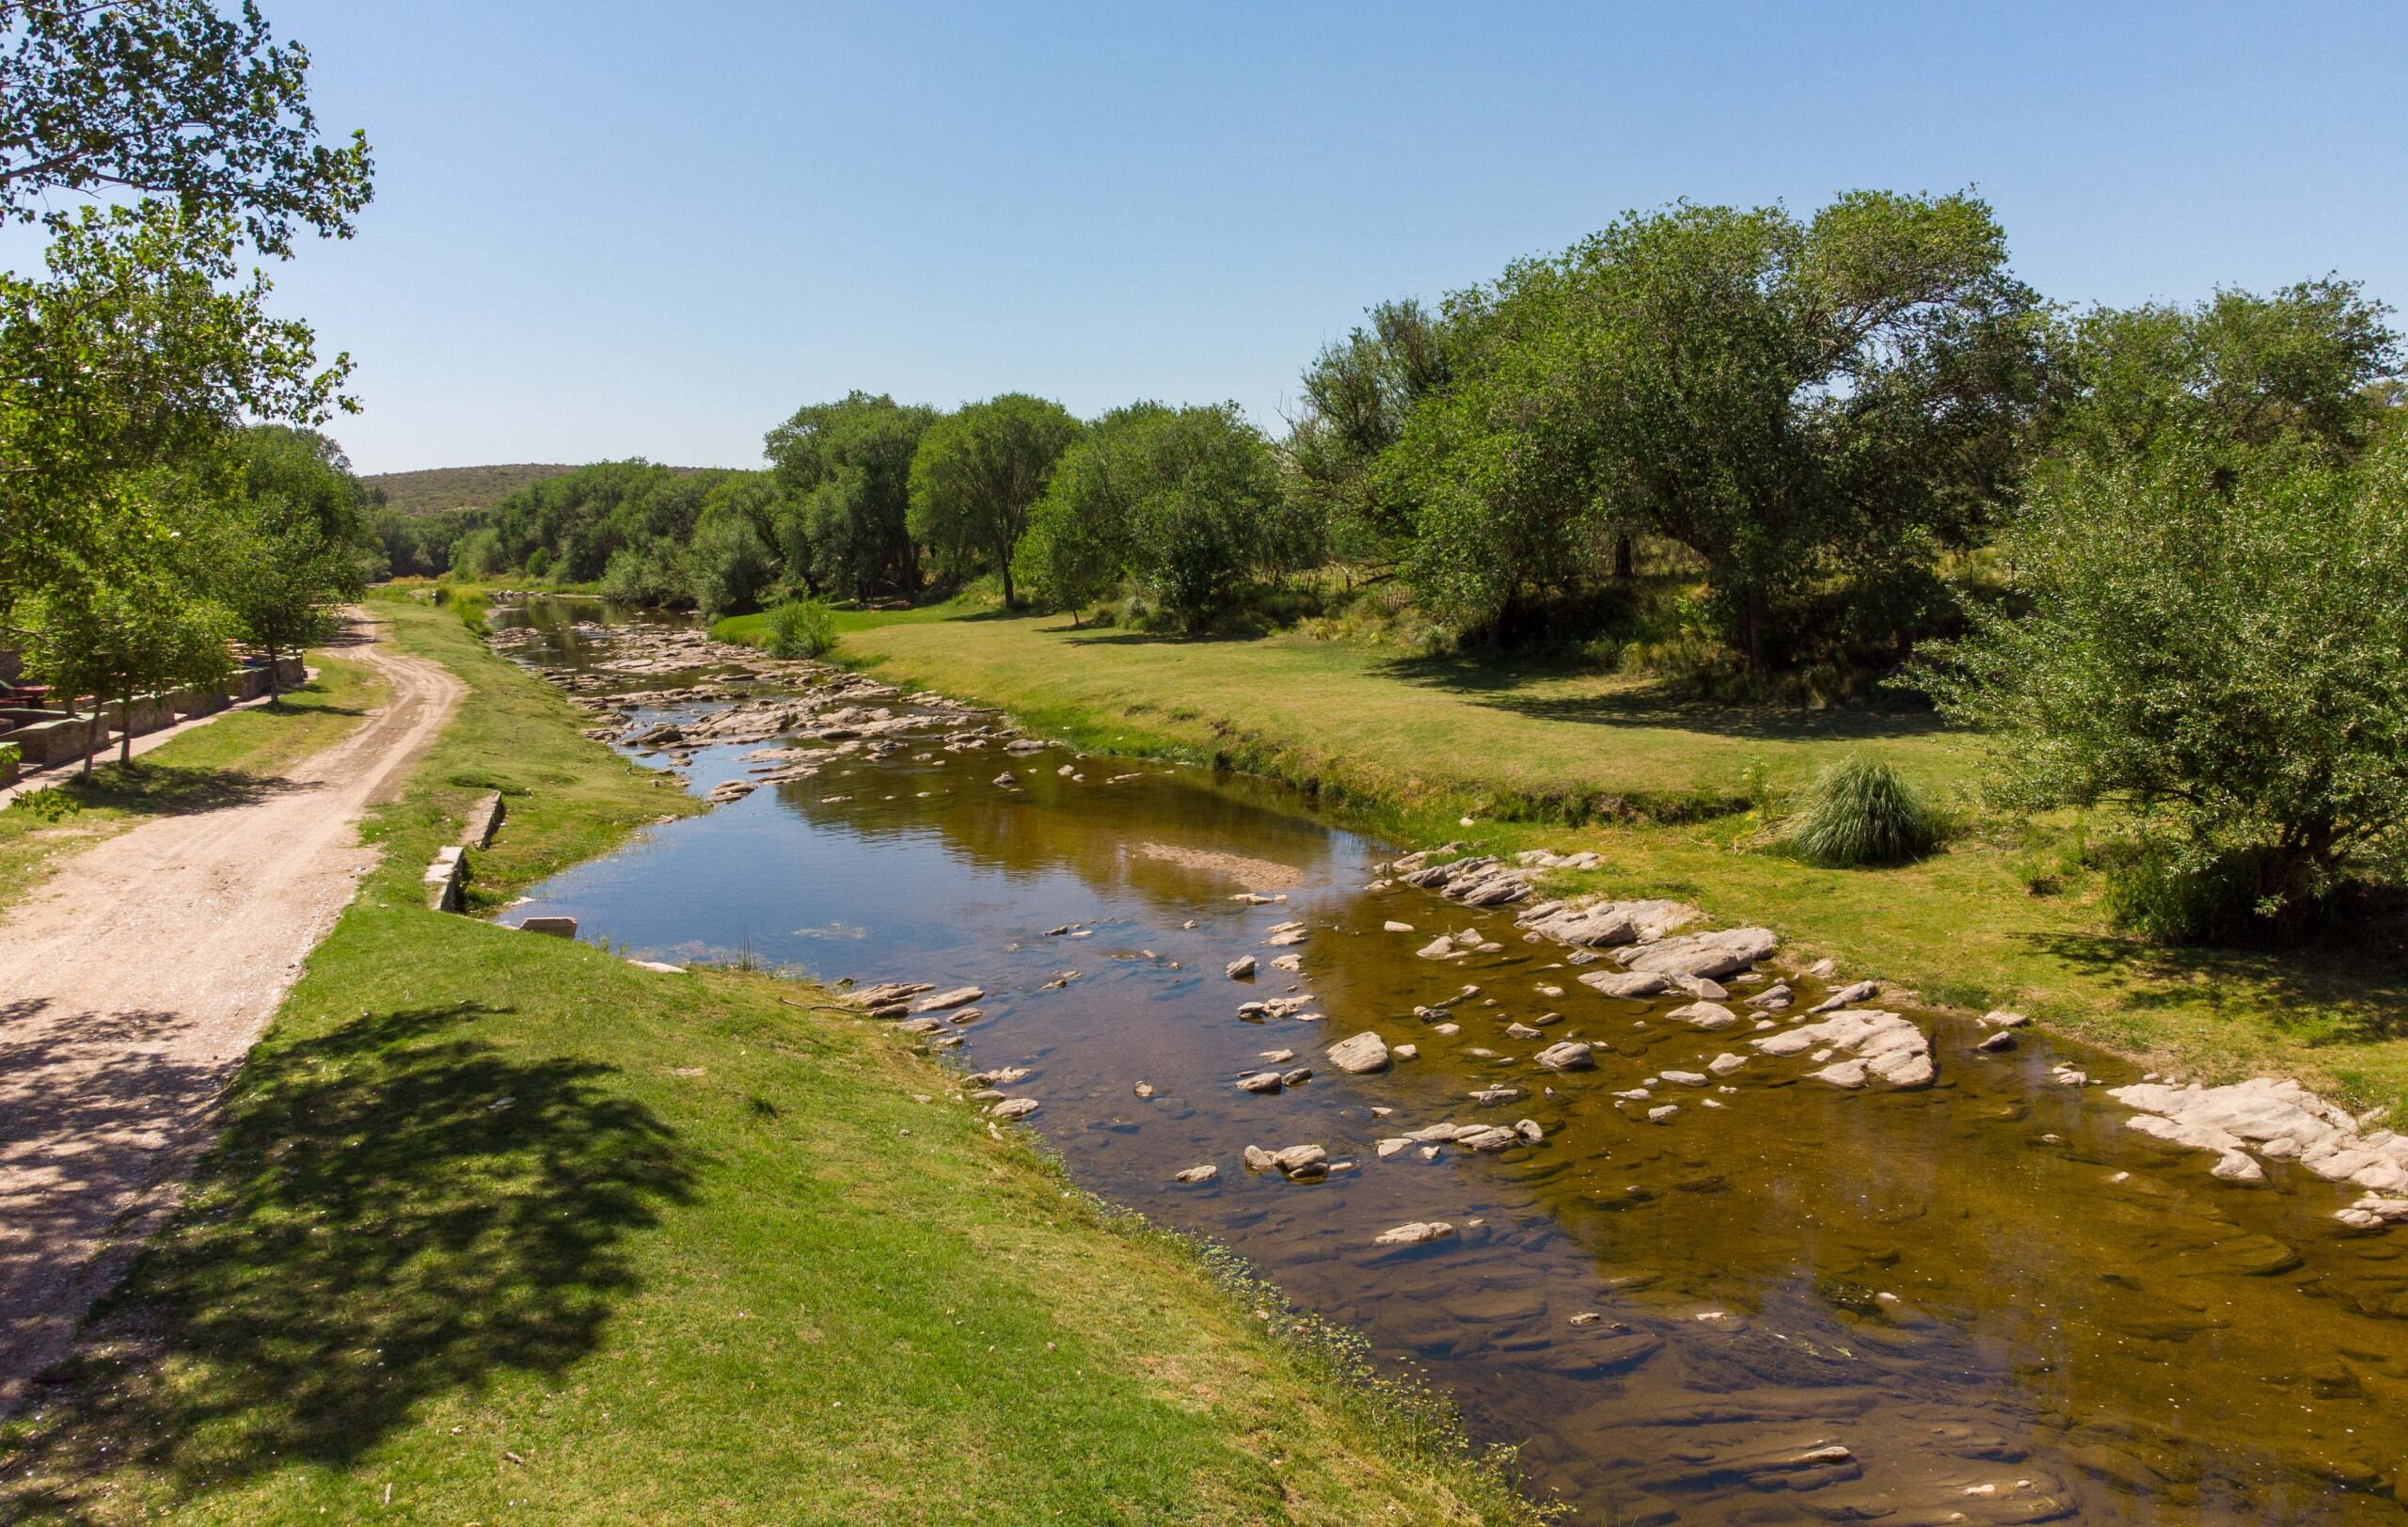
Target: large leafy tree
x: 138, y: 632
x: 2308, y: 363
x: 2223, y: 650
x: 136, y: 349
x: 1186, y: 504
x: 170, y: 99
x: 848, y: 465
x: 1357, y: 394
x: 1789, y: 400
x: 289, y: 548
x: 140, y: 346
x: 977, y: 472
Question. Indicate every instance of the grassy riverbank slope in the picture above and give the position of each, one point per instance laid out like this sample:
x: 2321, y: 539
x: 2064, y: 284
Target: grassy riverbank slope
x: 231, y: 755
x: 504, y: 1229
x: 1664, y: 789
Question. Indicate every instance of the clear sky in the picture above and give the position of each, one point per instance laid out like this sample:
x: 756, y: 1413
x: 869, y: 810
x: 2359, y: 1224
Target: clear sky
x: 613, y: 229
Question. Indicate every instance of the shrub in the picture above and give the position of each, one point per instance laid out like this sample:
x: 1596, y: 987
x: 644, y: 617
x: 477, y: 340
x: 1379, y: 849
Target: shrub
x: 1862, y: 812
x: 800, y: 629
x: 2218, y: 643
x: 2157, y: 891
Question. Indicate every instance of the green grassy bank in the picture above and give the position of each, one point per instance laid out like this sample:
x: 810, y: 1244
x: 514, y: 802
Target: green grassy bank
x: 190, y: 772
x: 1664, y: 789
x: 503, y: 1229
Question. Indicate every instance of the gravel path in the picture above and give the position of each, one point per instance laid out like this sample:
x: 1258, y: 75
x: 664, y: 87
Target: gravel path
x: 132, y: 983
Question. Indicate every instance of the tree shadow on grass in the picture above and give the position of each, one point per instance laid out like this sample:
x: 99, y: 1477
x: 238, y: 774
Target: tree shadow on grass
x: 397, y: 1211
x: 1500, y: 685
x: 2331, y: 992
x: 143, y: 788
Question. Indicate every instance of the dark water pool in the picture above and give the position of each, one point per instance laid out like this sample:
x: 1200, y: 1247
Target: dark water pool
x: 2000, y: 1302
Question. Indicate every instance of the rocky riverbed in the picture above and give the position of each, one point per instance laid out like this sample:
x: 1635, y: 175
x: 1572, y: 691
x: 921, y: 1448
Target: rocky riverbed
x: 1717, y: 1234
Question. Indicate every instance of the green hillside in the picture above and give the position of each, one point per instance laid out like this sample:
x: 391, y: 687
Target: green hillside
x: 439, y: 489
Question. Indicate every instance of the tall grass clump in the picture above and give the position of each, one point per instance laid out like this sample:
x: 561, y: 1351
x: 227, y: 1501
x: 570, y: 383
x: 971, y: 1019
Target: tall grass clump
x: 800, y: 629
x: 1861, y: 812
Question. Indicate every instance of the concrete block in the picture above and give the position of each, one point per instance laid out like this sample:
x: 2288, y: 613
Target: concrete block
x: 557, y: 927
x: 483, y: 817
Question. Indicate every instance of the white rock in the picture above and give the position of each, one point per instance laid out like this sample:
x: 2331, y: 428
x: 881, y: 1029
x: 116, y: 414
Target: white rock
x: 1360, y: 1053
x: 1416, y: 1232
x: 1572, y: 1054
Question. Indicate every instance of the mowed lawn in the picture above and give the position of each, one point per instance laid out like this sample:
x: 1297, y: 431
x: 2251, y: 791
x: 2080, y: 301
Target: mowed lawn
x: 1663, y: 791
x: 505, y: 1230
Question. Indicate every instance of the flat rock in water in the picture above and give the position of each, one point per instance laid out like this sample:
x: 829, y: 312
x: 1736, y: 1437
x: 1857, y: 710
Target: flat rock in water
x: 1302, y: 1160
x: 1196, y: 1174
x: 1392, y: 925
x: 1707, y: 1016
x: 960, y: 997
x: 1239, y: 968
x: 1624, y: 984
x: 1414, y: 1232
x: 1883, y: 1046
x: 1724, y: 952
x: 1260, y: 1081
x: 1360, y: 1053
x: 1572, y: 1054
x: 1846, y: 996
x: 1014, y: 1109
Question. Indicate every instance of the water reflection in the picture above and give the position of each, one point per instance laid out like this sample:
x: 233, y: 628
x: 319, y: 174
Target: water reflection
x: 1987, y: 1301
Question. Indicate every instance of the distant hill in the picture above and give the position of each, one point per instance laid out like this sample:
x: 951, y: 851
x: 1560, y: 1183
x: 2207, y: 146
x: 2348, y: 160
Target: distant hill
x: 440, y: 490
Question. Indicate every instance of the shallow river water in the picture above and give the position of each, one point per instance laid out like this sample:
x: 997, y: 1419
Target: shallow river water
x: 2000, y: 1302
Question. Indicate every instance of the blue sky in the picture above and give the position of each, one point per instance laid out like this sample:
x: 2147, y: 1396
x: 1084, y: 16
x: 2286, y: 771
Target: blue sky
x: 613, y: 229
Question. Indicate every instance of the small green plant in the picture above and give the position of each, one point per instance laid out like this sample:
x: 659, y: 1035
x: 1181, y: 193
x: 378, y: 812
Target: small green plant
x: 471, y: 607
x: 802, y: 628
x: 1862, y: 812
x: 51, y: 802
x: 11, y: 756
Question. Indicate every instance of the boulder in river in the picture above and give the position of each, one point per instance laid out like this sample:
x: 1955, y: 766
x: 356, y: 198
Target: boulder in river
x: 1302, y: 1161
x: 1260, y: 1081
x: 1014, y: 1109
x: 1572, y: 1054
x: 1360, y: 1053
x: 1706, y: 1016
x: 1239, y: 968
x: 1414, y: 1232
x: 1845, y: 996
x: 1724, y: 952
x: 1204, y: 1174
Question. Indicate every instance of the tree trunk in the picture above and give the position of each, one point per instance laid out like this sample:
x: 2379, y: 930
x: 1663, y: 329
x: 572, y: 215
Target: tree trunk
x: 91, y: 735
x: 275, y: 689
x: 125, y: 740
x: 1752, y: 617
x: 1007, y: 584
x: 1625, y: 557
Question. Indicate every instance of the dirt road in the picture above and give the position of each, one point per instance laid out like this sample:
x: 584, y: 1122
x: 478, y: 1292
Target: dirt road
x: 132, y: 983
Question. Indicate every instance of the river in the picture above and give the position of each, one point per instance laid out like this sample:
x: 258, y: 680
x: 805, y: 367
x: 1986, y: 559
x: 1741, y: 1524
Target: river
x: 1988, y: 1300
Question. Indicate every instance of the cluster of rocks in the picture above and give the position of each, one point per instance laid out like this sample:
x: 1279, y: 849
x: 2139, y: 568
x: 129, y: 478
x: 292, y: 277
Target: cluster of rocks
x: 2278, y: 1121
x: 1480, y: 880
x: 1871, y: 1044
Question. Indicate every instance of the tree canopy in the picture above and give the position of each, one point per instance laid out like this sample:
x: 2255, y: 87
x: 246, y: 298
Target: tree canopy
x: 979, y: 470
x: 170, y: 99
x: 1786, y: 400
